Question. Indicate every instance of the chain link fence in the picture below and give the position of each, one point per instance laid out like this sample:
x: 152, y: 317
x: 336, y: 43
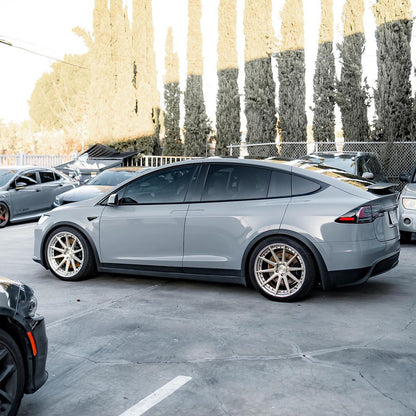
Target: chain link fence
x: 395, y: 157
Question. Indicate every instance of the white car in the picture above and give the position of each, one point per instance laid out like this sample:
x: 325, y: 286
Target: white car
x: 407, y: 206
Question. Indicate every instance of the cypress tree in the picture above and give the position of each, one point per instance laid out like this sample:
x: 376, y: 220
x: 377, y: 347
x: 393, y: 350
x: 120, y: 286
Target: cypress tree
x: 352, y: 95
x: 100, y: 107
x: 291, y: 70
x: 143, y: 70
x: 196, y: 125
x: 260, y: 88
x: 228, y: 100
x: 172, y: 143
x: 392, y: 96
x: 324, y: 81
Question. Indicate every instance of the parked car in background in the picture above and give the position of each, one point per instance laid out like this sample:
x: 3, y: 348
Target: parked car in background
x: 364, y: 164
x: 28, y: 192
x: 23, y: 345
x: 407, y: 206
x: 281, y: 226
x: 98, y: 185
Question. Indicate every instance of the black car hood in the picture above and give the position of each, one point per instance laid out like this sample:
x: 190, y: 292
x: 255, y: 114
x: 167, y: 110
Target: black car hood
x: 9, y: 294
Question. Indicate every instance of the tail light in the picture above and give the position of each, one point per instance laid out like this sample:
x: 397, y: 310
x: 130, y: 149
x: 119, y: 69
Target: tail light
x: 361, y: 215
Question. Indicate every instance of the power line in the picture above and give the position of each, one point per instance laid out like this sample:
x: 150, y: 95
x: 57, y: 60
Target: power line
x: 5, y: 42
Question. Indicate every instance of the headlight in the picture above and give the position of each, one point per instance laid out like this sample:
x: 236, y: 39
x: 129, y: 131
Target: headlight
x: 43, y: 218
x: 409, y: 203
x: 32, y: 306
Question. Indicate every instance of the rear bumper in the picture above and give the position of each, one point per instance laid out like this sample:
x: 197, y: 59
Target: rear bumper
x: 341, y: 278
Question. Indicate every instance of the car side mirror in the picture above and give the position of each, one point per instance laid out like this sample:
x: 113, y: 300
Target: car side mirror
x: 368, y: 175
x: 20, y: 185
x: 113, y: 200
x: 403, y: 177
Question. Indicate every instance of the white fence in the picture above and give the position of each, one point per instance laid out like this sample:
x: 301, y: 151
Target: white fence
x: 154, y: 161
x: 46, y: 161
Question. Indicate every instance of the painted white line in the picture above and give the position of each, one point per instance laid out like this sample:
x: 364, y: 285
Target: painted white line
x: 157, y: 396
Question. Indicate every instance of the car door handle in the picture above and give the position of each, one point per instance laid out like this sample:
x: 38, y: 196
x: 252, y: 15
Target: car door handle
x: 178, y: 211
x: 196, y: 210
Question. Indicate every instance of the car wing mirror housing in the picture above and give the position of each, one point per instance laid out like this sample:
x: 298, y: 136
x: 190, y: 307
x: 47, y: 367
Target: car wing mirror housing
x: 368, y: 175
x: 20, y: 185
x: 113, y: 200
x: 403, y: 177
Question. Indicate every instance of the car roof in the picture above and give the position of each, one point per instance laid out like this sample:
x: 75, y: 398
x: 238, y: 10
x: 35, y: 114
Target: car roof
x: 126, y: 169
x: 344, y: 155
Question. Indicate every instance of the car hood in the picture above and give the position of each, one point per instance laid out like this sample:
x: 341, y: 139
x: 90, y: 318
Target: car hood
x: 84, y: 192
x: 409, y: 190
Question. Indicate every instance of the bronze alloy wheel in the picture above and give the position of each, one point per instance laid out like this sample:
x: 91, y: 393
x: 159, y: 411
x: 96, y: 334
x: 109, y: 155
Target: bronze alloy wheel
x: 282, y: 269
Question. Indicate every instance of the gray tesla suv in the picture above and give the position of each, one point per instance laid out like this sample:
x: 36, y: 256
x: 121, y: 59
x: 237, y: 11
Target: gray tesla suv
x: 279, y: 226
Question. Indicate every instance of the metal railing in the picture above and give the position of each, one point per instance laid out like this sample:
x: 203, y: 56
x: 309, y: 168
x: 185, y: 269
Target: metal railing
x: 23, y: 159
x: 395, y: 157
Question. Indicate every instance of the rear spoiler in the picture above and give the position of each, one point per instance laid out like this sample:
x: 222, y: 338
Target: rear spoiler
x: 382, y: 188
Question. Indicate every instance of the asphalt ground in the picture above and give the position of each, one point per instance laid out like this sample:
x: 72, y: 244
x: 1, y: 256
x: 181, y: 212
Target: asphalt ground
x: 125, y: 345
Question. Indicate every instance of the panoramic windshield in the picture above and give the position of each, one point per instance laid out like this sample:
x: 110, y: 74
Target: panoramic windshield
x: 344, y: 163
x: 5, y: 176
x: 112, y: 178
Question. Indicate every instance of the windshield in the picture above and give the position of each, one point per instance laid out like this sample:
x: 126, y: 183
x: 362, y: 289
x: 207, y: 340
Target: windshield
x: 5, y: 176
x: 112, y: 177
x: 339, y: 162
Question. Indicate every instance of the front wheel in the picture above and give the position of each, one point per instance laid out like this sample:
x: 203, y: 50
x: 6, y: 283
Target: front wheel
x: 69, y: 255
x: 282, y: 269
x: 12, y: 375
x: 4, y: 214
x: 405, y: 236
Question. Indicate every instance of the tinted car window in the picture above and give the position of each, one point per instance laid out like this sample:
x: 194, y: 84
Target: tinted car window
x: 29, y: 178
x: 47, y: 176
x: 303, y: 186
x: 112, y: 178
x: 167, y: 186
x: 280, y: 185
x: 234, y: 182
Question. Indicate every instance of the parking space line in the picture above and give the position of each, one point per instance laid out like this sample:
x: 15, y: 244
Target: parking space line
x: 157, y: 396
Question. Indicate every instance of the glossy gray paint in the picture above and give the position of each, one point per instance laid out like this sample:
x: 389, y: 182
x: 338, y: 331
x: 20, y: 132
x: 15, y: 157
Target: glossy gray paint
x: 214, y: 236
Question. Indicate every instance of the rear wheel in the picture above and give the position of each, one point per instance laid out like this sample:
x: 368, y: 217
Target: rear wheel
x: 12, y: 375
x: 4, y: 214
x: 282, y: 269
x: 68, y: 254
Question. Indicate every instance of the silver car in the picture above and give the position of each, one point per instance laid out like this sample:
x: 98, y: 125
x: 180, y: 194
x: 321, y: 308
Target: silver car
x: 26, y: 192
x: 281, y: 227
x: 407, y: 206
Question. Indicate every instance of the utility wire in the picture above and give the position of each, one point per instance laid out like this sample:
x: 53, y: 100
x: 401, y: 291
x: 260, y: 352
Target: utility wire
x: 5, y: 42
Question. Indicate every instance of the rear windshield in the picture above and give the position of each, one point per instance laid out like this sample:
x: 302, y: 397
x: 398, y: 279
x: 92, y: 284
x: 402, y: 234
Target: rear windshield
x: 5, y: 176
x: 332, y: 172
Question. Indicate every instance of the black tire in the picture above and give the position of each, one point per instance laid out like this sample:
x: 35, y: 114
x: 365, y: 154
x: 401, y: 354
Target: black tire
x: 4, y: 214
x: 405, y: 236
x: 12, y: 375
x: 69, y: 255
x: 282, y: 269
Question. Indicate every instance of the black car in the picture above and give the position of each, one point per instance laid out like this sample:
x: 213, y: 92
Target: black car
x: 364, y: 164
x: 23, y: 345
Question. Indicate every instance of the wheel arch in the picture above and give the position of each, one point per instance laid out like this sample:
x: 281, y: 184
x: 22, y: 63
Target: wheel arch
x: 70, y: 225
x: 5, y: 202
x: 316, y: 255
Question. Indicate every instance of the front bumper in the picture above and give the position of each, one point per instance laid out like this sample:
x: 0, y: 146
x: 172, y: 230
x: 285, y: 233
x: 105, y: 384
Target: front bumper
x: 36, y: 363
x: 407, y: 220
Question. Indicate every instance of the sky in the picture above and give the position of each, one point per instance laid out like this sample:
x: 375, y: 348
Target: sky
x: 45, y: 26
